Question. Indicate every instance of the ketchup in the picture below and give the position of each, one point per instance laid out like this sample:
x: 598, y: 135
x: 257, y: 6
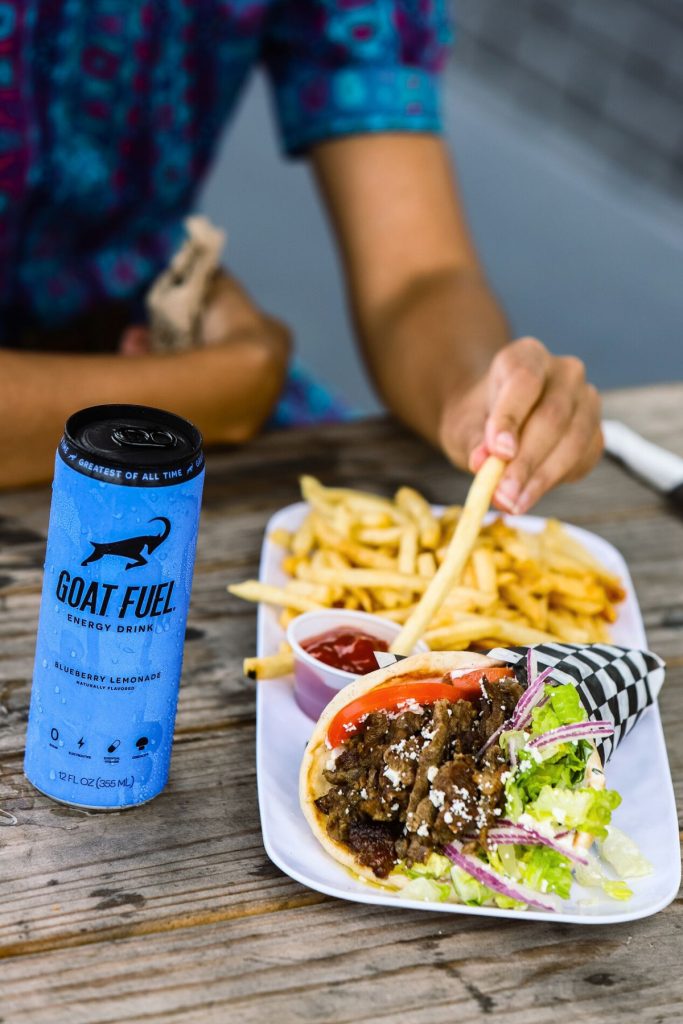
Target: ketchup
x: 346, y: 648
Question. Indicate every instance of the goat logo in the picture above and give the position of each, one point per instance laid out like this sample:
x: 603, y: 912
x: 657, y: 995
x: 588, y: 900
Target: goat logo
x: 130, y: 547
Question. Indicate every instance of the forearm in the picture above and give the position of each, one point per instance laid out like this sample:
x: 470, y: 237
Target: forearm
x: 433, y: 341
x: 226, y: 390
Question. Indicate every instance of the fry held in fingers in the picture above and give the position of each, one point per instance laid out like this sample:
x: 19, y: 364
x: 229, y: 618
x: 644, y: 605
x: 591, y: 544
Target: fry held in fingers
x: 460, y: 549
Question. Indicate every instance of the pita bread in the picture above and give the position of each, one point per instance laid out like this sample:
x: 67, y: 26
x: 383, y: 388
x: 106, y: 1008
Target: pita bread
x: 313, y: 784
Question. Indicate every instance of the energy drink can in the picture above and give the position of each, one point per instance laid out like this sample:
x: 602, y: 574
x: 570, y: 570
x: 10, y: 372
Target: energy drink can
x: 118, y: 574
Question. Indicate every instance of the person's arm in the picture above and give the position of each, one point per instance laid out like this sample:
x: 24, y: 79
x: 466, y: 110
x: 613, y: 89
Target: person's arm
x: 434, y: 337
x: 227, y: 387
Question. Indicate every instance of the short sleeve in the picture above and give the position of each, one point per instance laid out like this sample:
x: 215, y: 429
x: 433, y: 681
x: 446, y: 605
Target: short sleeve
x: 343, y: 67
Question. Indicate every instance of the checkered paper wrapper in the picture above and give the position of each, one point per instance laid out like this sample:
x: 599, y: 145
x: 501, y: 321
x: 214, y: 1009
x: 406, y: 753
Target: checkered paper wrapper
x: 615, y: 684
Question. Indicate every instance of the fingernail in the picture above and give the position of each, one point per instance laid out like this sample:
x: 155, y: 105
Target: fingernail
x: 506, y: 446
x: 523, y: 504
x: 507, y: 493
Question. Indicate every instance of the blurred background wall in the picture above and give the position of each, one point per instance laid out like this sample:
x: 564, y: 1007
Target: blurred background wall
x: 565, y: 121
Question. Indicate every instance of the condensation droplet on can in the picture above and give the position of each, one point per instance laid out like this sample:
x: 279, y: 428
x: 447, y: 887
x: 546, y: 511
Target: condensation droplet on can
x: 73, y: 654
x: 44, y: 663
x: 53, y: 776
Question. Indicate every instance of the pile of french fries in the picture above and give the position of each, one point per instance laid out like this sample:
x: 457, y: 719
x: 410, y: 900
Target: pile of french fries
x: 362, y: 551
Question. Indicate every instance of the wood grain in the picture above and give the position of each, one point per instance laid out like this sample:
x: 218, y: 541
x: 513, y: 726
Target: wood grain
x: 173, y: 911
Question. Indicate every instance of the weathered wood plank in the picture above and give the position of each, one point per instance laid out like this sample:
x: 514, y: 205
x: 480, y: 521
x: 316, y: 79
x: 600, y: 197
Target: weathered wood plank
x: 195, y: 850
x: 332, y: 963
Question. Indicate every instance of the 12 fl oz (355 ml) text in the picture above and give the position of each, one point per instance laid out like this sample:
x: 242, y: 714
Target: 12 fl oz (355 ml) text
x: 97, y: 782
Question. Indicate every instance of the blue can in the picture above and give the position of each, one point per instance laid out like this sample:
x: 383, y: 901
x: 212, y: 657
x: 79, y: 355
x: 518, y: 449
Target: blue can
x: 118, y: 575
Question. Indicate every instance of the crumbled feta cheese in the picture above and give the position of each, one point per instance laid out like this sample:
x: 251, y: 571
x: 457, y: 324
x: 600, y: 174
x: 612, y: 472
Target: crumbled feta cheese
x: 432, y: 772
x: 459, y: 808
x: 497, y: 811
x: 364, y: 793
x: 428, y: 734
x: 544, y: 827
x: 394, y: 807
x: 423, y: 830
x: 393, y: 776
x: 437, y: 797
x: 448, y: 817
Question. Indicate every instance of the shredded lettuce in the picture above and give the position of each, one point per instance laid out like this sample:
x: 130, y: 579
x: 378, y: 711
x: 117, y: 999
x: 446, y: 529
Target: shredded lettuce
x: 622, y: 854
x: 435, y: 866
x: 562, y: 707
x: 618, y: 890
x: 427, y: 889
x: 538, y: 867
x: 587, y: 810
x: 592, y: 876
x: 546, y: 870
x: 467, y: 889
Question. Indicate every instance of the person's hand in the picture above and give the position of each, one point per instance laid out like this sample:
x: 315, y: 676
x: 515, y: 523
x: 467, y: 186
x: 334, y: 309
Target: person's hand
x: 534, y: 410
x: 232, y: 378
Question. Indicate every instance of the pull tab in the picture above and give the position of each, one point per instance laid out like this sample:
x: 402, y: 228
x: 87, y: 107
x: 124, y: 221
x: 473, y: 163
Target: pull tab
x: 138, y: 437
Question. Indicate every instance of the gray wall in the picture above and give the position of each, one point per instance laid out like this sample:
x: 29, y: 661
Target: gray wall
x: 582, y: 254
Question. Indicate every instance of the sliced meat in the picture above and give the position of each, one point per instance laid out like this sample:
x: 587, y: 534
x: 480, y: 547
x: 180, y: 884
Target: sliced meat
x: 436, y: 735
x: 499, y: 702
x: 373, y: 844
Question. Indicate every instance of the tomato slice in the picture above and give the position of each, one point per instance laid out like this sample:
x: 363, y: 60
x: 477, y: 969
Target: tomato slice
x: 395, y: 696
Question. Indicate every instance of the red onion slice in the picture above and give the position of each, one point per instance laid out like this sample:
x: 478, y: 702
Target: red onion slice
x: 529, y: 699
x: 492, y: 880
x: 575, y: 731
x: 512, y: 832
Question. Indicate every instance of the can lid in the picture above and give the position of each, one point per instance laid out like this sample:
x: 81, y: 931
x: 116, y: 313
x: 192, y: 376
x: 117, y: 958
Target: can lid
x: 136, y: 437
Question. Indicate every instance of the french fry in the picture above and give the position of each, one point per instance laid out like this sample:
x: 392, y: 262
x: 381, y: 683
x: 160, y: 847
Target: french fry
x: 380, y: 536
x: 417, y: 509
x: 448, y: 574
x: 426, y: 564
x: 528, y: 605
x: 319, y: 592
x: 271, y: 667
x: 304, y: 538
x: 368, y: 578
x: 254, y: 590
x: 485, y: 570
x: 287, y: 615
x: 407, y: 552
x: 283, y: 538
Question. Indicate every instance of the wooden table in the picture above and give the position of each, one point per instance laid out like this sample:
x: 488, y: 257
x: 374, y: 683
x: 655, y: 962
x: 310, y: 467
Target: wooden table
x: 173, y: 912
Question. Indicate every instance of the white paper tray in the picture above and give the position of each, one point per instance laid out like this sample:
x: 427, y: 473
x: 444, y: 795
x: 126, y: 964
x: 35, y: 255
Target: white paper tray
x: 639, y: 771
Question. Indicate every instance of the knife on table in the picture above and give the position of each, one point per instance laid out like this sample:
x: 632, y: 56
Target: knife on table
x: 661, y: 469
